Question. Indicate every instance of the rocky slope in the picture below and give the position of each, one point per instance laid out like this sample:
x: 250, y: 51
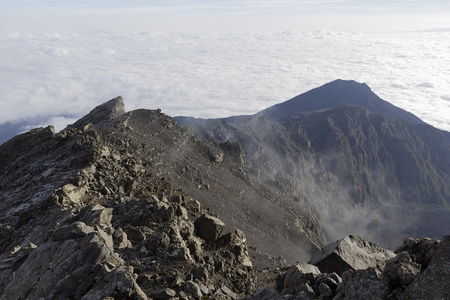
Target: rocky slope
x: 130, y: 205
x: 124, y: 205
x: 366, y: 166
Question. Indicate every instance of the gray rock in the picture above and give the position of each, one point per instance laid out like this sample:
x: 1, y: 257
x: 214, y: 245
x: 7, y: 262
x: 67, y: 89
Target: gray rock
x: 178, y: 282
x: 432, y: 283
x: 227, y: 291
x: 325, y: 291
x: 203, y: 288
x: 72, y: 231
x: 119, y: 283
x: 209, y: 227
x: 164, y: 293
x: 99, y: 215
x: 235, y: 241
x: 120, y: 239
x: 101, y: 113
x: 195, y: 247
x: 305, y: 291
x: 335, y: 277
x: 422, y: 249
x: 350, y: 253
x: 219, y: 295
x: 267, y: 293
x: 200, y: 273
x: 369, y: 284
x: 297, y: 275
x: 135, y: 235
x: 300, y: 296
x: 192, y: 289
x: 401, y: 270
x: 78, y: 268
x: 326, y: 279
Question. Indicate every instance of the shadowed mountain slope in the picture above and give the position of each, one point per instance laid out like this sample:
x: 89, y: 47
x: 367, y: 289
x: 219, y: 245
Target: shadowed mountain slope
x: 363, y: 167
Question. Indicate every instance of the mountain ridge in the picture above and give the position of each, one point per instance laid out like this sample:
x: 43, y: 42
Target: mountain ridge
x: 130, y: 205
x: 368, y: 164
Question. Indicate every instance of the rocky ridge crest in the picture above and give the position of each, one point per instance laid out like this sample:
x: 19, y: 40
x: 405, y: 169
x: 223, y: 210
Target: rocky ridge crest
x: 100, y: 210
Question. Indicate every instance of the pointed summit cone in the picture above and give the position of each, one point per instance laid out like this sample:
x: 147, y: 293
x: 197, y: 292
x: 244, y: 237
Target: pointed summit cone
x: 104, y: 112
x: 336, y: 94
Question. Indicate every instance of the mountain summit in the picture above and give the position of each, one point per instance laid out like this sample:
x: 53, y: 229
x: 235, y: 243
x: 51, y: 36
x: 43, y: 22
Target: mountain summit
x: 335, y: 94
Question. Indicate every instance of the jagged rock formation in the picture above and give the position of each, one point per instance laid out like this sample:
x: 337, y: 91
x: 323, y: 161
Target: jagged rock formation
x: 366, y: 166
x: 106, y: 209
x: 394, y: 277
x: 349, y: 253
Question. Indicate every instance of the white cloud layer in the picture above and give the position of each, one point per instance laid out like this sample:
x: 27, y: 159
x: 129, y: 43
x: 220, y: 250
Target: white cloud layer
x: 54, y: 76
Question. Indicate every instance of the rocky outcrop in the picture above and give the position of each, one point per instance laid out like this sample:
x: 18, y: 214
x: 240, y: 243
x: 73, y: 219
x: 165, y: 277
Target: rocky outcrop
x: 431, y: 282
x: 398, y: 277
x: 25, y: 142
x: 350, y: 253
x: 102, y: 113
x: 84, y: 217
x: 87, y: 253
x: 422, y: 249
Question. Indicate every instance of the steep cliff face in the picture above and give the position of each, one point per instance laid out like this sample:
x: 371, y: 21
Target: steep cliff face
x: 368, y: 168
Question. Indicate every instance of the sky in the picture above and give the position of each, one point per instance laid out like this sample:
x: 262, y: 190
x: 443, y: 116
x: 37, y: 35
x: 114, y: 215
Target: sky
x: 59, y: 59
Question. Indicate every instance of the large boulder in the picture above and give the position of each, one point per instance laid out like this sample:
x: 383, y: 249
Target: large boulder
x: 209, y: 228
x: 350, y: 253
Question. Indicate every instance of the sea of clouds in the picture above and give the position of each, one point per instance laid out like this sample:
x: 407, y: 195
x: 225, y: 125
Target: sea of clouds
x: 54, y: 78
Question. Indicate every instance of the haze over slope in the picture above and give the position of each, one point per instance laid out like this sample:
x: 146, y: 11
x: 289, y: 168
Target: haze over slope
x: 365, y: 165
